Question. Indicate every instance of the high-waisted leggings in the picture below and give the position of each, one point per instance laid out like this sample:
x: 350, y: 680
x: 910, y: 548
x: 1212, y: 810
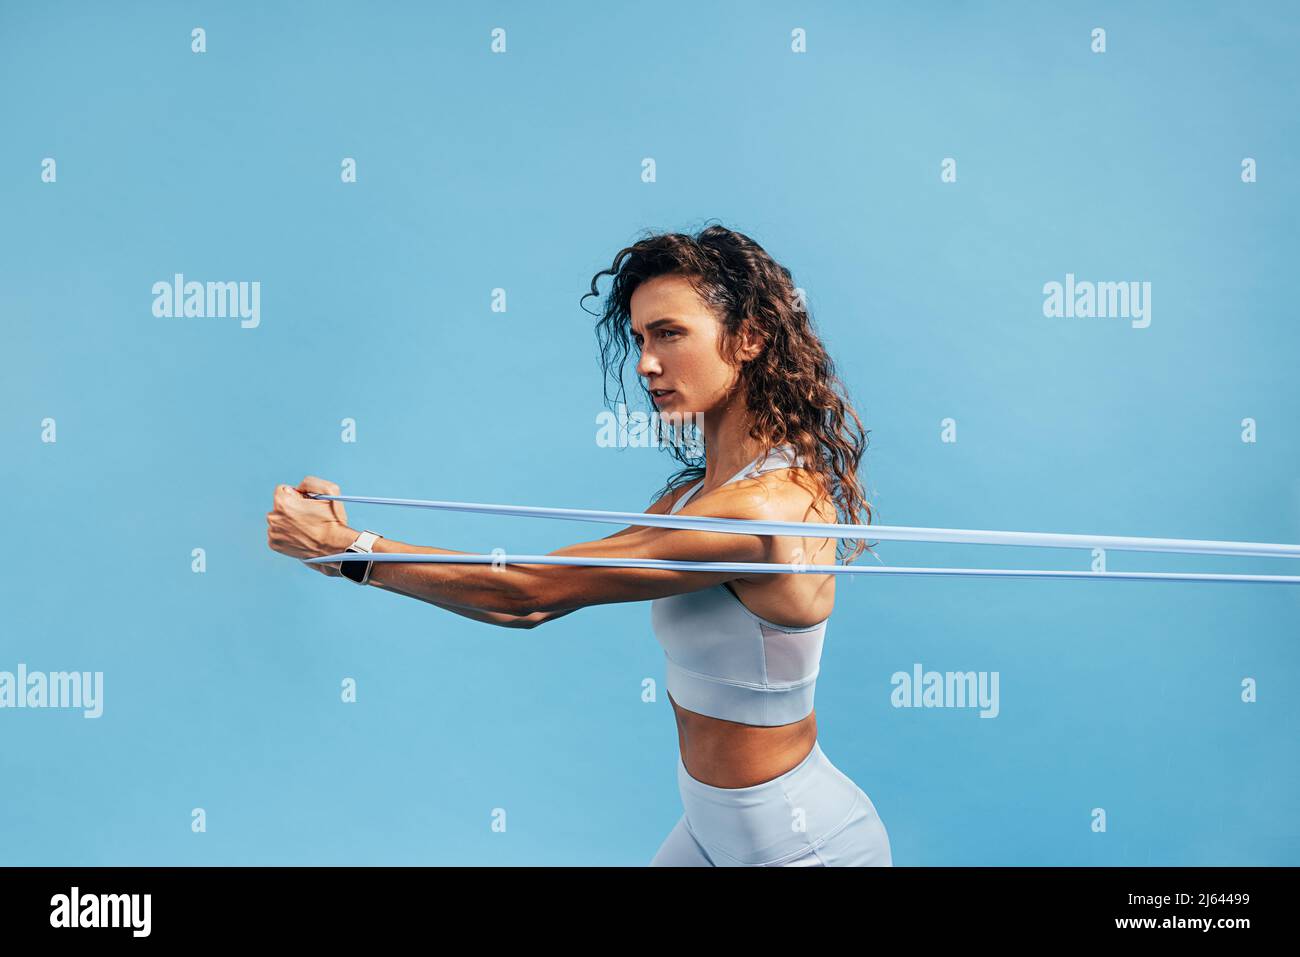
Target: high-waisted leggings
x: 811, y: 816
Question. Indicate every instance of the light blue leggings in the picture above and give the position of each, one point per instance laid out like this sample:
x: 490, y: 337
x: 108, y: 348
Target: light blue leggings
x: 811, y: 816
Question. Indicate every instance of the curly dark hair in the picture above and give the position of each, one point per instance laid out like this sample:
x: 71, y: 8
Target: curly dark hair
x: 790, y: 387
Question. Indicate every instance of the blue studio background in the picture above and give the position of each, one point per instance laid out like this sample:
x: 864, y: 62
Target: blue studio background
x: 522, y: 171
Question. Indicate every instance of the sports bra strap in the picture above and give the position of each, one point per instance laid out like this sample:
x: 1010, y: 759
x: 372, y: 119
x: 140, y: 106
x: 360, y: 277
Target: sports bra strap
x: 783, y: 454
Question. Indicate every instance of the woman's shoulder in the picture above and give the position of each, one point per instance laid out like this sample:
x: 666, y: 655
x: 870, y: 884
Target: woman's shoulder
x: 664, y: 504
x: 779, y: 495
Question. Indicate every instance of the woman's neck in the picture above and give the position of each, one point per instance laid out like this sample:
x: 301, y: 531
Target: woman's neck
x: 728, y: 446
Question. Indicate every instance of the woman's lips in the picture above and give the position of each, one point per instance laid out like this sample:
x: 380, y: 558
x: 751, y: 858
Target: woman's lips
x: 660, y: 398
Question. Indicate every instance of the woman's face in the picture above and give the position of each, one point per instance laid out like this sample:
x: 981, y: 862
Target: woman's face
x: 678, y: 337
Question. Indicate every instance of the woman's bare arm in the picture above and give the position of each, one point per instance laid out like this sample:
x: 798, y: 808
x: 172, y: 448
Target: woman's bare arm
x: 489, y: 617
x: 522, y: 590
x: 504, y: 619
x: 477, y: 614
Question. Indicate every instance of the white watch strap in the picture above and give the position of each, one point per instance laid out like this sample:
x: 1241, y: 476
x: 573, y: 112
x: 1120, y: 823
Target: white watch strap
x: 365, y: 542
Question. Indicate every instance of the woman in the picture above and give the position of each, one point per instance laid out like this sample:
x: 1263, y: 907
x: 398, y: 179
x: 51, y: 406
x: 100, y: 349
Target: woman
x: 720, y: 334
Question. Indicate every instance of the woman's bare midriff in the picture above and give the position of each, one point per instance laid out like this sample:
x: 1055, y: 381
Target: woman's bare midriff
x: 726, y: 754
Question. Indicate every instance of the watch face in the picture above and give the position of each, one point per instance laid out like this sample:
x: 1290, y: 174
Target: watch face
x: 356, y: 571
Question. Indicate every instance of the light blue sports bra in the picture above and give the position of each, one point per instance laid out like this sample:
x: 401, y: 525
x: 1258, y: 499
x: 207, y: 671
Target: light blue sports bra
x: 723, y: 660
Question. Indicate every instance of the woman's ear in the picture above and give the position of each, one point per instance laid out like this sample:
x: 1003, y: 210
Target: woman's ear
x: 751, y: 343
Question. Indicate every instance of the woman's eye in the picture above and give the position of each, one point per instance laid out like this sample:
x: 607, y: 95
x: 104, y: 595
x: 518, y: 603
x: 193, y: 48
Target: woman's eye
x: 662, y: 332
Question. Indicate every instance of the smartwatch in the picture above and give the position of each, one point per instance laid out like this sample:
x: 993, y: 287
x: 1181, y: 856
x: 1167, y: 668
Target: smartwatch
x: 359, y: 571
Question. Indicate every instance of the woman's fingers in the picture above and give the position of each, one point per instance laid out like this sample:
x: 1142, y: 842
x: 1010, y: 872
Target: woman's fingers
x: 312, y: 483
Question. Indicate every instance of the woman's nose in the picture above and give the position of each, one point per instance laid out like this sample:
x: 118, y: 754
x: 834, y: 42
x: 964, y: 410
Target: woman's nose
x: 647, y: 365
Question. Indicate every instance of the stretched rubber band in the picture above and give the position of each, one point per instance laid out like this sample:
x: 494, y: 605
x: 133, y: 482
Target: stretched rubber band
x: 898, y: 533
x: 776, y: 568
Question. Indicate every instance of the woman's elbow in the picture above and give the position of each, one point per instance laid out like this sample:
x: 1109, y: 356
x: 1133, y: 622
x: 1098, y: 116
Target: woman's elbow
x: 543, y: 599
x: 542, y: 617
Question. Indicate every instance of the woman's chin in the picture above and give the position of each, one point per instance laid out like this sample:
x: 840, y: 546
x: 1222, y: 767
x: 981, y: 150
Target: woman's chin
x: 673, y: 407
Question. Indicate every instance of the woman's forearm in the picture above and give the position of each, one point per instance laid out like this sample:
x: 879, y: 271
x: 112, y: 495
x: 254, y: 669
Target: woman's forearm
x: 481, y: 587
x: 476, y: 614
